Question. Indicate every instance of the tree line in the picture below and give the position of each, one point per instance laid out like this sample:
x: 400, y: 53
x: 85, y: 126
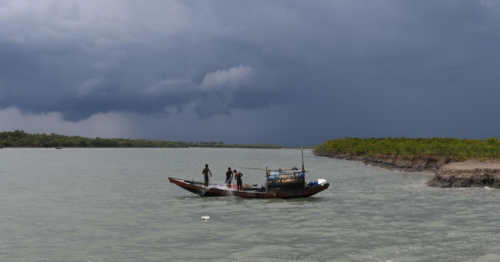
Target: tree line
x: 222, y: 144
x: 19, y: 138
x: 452, y: 147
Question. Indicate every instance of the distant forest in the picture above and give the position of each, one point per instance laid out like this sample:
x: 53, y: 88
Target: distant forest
x: 452, y: 147
x: 19, y: 138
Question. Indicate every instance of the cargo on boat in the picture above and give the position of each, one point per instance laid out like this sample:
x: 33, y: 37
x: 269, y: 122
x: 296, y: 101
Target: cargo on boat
x: 285, y: 184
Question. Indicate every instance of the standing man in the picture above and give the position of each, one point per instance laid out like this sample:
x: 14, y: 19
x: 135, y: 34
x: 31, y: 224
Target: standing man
x: 239, y: 182
x: 229, y: 177
x: 205, y: 173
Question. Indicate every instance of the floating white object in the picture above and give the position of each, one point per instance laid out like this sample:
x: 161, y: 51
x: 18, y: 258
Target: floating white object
x: 321, y: 182
x: 205, y: 217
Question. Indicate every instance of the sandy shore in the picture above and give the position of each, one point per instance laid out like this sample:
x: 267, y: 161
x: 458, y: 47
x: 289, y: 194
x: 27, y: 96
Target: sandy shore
x: 471, y: 173
x: 473, y: 164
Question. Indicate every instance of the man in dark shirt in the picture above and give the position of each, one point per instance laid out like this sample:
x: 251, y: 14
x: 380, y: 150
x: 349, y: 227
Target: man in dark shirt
x: 229, y: 177
x: 239, y: 182
x: 205, y: 173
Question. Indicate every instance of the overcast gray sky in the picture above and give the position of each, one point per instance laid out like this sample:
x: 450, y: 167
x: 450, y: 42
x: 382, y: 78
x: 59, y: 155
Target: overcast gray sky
x: 282, y: 72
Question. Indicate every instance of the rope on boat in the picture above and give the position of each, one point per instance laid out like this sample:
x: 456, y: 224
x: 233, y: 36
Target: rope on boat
x: 202, y: 190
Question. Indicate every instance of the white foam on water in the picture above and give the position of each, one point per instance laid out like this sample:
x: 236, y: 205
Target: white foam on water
x: 225, y: 187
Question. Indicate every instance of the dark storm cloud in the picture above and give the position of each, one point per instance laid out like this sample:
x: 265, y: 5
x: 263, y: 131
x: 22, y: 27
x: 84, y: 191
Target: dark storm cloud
x: 74, y: 59
x: 375, y: 63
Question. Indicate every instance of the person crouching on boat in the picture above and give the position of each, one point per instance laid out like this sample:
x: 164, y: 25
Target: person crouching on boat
x: 239, y: 182
x: 229, y: 177
x: 205, y: 173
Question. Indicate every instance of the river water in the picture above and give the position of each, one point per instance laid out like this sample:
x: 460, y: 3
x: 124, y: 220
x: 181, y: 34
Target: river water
x: 117, y: 205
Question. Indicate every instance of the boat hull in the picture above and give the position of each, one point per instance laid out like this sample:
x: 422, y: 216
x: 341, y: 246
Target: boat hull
x: 218, y: 190
x: 305, y: 192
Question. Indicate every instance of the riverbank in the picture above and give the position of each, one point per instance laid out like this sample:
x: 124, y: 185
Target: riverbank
x: 448, y: 172
x: 396, y: 162
x: 455, y: 162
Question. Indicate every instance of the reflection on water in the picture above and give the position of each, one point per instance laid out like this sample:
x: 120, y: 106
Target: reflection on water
x: 117, y: 205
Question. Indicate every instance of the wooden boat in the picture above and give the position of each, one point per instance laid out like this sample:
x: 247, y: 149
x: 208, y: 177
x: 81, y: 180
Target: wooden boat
x: 200, y: 189
x: 280, y: 183
x: 282, y: 187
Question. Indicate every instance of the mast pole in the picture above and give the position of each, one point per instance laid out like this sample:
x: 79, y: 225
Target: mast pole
x: 302, y: 151
x: 267, y: 178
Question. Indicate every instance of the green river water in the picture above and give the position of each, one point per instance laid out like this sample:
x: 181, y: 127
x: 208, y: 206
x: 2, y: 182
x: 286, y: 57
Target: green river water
x: 118, y: 205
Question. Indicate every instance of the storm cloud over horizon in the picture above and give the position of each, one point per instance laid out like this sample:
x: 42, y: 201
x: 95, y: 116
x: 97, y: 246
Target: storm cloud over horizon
x: 283, y: 72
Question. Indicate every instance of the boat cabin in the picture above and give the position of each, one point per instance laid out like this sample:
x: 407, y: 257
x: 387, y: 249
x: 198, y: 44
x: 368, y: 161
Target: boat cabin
x: 282, y: 180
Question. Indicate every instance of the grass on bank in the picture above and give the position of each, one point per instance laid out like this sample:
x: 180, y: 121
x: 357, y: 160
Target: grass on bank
x: 451, y: 147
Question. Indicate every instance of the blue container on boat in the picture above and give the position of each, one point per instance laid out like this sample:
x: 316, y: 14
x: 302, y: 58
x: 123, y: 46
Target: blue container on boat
x: 313, y: 183
x: 302, y: 175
